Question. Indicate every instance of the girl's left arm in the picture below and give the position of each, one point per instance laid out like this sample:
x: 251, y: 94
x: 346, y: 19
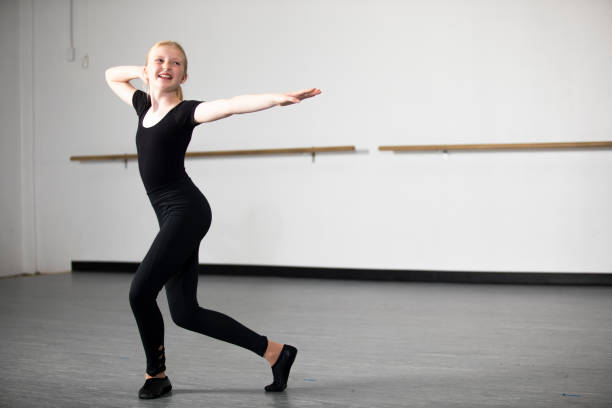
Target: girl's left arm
x: 222, y: 108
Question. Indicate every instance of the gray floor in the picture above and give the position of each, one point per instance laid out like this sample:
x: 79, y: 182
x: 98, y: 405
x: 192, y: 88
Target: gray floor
x: 70, y: 340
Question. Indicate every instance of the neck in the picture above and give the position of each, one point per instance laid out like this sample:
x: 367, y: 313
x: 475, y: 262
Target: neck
x: 162, y: 100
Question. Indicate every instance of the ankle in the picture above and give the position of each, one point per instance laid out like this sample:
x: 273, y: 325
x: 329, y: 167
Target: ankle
x: 273, y: 352
x: 160, y: 375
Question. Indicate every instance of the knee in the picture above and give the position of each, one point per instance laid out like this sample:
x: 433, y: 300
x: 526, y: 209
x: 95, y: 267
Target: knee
x: 182, y: 316
x: 139, y: 297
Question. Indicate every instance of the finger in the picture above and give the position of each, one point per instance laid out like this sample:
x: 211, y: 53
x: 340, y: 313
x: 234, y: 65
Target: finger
x: 307, y: 93
x: 313, y: 91
x: 302, y: 92
x: 310, y: 94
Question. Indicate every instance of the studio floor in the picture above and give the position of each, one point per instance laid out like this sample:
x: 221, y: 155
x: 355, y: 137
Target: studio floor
x: 70, y: 340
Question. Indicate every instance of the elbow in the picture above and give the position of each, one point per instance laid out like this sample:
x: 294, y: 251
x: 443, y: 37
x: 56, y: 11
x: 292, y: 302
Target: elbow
x: 228, y: 108
x: 108, y: 74
x: 112, y: 75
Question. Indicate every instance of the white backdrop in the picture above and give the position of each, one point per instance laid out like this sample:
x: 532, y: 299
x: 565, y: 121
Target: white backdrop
x: 392, y: 72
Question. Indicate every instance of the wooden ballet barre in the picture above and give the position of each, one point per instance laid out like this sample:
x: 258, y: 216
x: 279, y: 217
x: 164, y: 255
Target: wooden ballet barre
x: 104, y: 157
x: 502, y: 146
x: 297, y: 150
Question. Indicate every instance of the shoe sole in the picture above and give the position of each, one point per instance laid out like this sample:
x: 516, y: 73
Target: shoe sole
x: 164, y: 392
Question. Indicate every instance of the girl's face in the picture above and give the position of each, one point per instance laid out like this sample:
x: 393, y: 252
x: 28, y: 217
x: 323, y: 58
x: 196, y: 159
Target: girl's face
x: 165, y: 68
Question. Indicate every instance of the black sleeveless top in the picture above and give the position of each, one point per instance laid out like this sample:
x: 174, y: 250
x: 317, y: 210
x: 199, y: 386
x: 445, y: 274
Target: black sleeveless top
x: 161, y: 148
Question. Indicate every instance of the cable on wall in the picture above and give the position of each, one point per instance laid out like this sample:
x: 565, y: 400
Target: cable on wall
x: 70, y: 52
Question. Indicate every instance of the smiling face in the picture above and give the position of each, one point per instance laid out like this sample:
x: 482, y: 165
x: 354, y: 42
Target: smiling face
x: 166, y: 68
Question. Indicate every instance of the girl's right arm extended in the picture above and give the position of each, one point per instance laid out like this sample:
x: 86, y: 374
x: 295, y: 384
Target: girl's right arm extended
x: 118, y: 79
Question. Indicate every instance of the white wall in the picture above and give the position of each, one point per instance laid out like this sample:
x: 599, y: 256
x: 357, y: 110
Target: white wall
x: 10, y: 147
x: 392, y: 72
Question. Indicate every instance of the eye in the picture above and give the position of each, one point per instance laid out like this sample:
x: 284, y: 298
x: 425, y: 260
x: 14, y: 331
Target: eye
x: 177, y: 63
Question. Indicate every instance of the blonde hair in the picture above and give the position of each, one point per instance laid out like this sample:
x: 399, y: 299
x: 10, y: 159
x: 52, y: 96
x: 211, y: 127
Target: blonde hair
x: 179, y: 91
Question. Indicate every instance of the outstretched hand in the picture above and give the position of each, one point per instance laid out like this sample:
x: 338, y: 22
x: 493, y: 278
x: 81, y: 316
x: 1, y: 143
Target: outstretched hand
x: 295, y: 97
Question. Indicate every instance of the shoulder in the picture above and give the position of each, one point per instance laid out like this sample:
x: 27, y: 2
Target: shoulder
x: 187, y: 110
x: 191, y: 104
x: 140, y: 101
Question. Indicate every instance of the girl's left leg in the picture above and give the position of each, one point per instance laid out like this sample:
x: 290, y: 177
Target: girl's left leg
x: 181, y: 291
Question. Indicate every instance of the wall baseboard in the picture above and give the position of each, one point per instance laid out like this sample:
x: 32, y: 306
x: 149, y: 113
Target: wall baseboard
x: 520, y: 278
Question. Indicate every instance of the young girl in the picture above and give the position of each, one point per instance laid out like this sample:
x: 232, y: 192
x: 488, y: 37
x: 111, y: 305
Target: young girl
x: 165, y: 126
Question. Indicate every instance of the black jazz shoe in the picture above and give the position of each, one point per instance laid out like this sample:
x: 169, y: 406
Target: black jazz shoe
x: 155, y: 388
x: 280, y: 369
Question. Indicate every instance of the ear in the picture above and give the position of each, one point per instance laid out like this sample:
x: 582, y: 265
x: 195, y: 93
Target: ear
x: 184, y: 78
x: 145, y: 75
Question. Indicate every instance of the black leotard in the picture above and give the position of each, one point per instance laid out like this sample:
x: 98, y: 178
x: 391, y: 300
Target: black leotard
x: 161, y: 147
x: 184, y: 217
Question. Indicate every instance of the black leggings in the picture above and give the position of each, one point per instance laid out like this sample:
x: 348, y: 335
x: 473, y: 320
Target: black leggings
x: 184, y: 218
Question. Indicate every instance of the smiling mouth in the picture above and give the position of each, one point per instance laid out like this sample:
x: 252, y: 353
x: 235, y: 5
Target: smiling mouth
x: 165, y: 76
